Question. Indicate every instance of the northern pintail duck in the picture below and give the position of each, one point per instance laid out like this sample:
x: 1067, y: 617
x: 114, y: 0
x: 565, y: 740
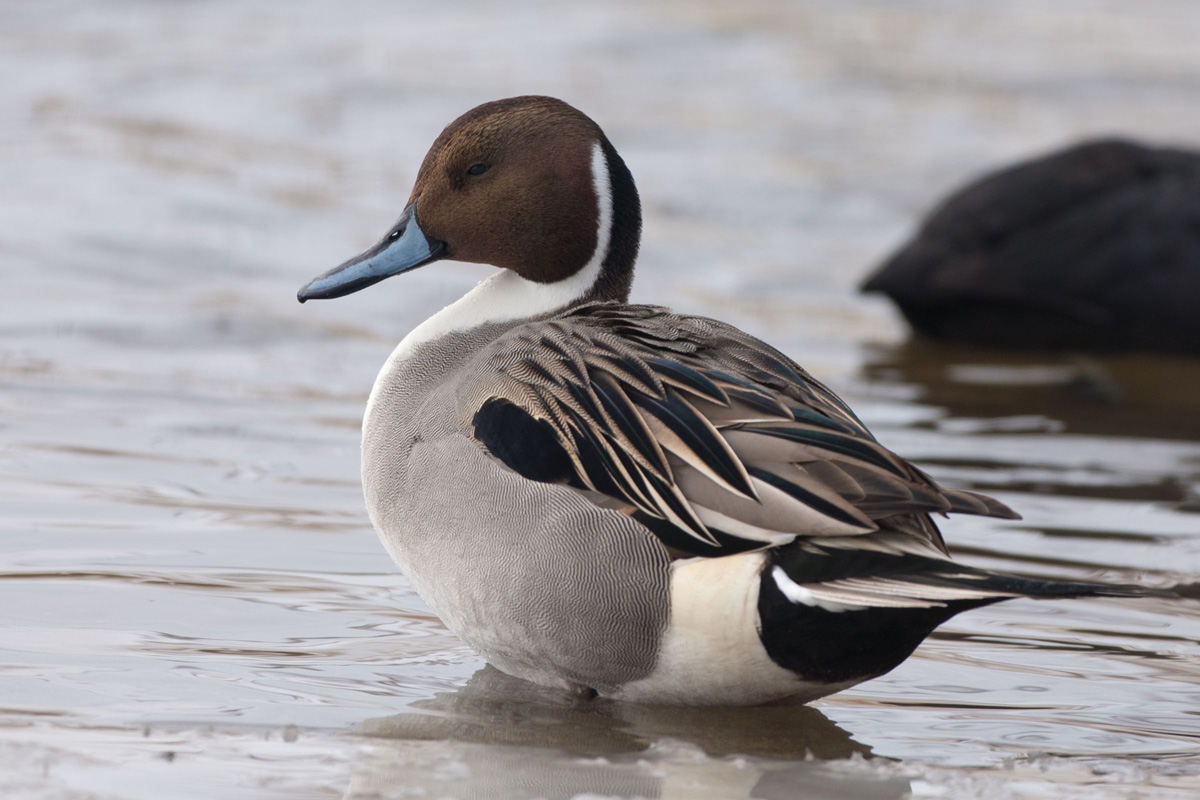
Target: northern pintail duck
x: 619, y: 499
x: 1094, y: 247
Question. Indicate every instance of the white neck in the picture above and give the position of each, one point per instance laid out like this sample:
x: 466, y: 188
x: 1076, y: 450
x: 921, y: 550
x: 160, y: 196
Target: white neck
x: 507, y: 296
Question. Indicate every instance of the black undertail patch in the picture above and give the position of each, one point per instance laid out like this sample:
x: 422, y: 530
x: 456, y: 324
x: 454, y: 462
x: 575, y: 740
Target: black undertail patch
x: 836, y: 647
x: 865, y: 642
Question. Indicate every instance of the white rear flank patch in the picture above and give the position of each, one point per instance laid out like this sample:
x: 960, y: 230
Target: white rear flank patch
x: 711, y: 653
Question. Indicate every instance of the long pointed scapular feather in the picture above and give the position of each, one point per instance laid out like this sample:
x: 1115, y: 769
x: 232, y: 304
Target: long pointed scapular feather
x: 720, y: 438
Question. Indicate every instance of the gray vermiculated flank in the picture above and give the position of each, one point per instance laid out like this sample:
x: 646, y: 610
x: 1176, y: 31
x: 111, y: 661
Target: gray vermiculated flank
x: 520, y: 570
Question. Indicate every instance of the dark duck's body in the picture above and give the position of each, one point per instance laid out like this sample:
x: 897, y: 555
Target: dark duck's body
x: 1096, y: 247
x: 594, y: 495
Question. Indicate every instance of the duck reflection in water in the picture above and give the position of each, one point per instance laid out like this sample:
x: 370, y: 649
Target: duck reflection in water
x: 494, y: 708
x: 1127, y: 395
x: 507, y: 737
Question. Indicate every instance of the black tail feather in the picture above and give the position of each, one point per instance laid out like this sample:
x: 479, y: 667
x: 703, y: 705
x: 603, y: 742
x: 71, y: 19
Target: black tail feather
x: 964, y: 502
x: 1038, y: 588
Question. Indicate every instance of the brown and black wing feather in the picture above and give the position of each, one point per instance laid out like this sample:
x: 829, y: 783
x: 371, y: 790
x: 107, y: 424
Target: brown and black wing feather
x: 715, y: 441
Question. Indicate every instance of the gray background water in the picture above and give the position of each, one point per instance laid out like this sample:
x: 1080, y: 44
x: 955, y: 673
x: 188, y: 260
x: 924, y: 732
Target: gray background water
x: 192, y: 603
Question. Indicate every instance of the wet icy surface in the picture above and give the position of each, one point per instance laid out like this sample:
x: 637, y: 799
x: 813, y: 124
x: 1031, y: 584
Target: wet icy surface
x: 192, y: 603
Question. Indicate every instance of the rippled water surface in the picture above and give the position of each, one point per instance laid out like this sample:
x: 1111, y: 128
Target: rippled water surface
x: 192, y: 603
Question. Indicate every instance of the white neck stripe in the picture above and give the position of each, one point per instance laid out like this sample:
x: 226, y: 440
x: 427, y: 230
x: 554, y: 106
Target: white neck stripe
x: 507, y: 296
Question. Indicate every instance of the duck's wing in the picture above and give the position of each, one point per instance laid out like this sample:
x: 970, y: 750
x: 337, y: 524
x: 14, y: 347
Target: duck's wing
x: 715, y: 441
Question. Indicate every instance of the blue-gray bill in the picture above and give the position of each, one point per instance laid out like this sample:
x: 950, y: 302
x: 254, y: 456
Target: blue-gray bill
x: 404, y: 248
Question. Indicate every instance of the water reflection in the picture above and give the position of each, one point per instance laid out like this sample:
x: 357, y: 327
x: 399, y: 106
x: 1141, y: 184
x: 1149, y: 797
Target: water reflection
x: 493, y: 708
x: 501, y: 737
x: 1117, y: 395
x: 395, y: 769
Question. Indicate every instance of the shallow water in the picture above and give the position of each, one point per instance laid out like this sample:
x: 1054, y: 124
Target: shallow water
x: 192, y: 603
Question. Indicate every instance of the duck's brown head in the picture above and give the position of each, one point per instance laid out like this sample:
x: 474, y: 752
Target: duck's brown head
x: 528, y: 184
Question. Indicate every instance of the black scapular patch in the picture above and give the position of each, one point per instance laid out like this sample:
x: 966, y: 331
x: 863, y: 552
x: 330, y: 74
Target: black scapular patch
x: 525, y: 444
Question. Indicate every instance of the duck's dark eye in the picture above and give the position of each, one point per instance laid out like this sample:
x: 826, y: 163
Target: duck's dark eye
x: 394, y: 235
x: 477, y: 169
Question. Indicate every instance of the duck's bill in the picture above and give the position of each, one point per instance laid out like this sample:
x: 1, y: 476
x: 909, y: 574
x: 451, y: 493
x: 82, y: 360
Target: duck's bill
x: 405, y: 247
